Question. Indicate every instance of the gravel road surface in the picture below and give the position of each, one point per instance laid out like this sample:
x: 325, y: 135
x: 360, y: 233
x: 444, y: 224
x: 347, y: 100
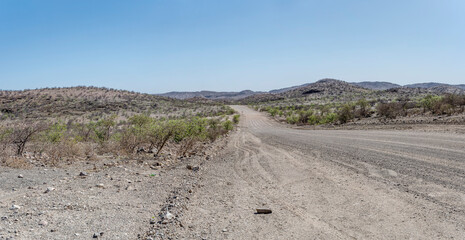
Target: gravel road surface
x: 330, y: 184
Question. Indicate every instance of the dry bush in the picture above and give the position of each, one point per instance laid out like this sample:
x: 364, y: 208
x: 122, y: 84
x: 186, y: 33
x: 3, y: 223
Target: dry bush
x: 392, y: 110
x: 22, y: 133
x: 54, y: 153
x: 15, y: 162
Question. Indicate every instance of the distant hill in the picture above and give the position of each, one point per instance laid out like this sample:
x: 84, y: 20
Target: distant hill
x: 85, y: 102
x: 210, y: 95
x: 376, y: 85
x: 424, y: 85
x: 288, y: 88
x: 434, y: 84
x: 323, y: 86
x: 327, y: 86
x: 444, y: 89
x: 317, y: 90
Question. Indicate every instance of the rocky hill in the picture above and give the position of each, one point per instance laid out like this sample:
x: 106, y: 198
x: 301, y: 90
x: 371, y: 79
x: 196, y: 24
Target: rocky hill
x: 86, y: 102
x: 376, y: 85
x: 434, y: 85
x: 328, y: 87
x: 447, y: 89
x: 276, y: 91
x: 210, y: 95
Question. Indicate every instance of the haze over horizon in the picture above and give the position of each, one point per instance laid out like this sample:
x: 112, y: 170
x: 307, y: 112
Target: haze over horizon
x: 162, y: 46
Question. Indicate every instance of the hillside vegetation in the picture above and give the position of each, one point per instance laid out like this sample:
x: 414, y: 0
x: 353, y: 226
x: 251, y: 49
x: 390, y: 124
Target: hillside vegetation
x: 49, y: 126
x: 90, y: 103
x: 335, y: 102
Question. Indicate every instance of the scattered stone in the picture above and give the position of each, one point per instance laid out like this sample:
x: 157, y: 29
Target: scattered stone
x: 168, y: 216
x: 15, y: 207
x: 97, y: 235
x: 20, y: 176
x: 392, y: 173
x: 195, y: 169
x: 100, y: 185
x: 4, y: 218
x: 49, y: 189
x: 225, y: 230
x: 83, y: 174
x: 43, y: 223
x: 263, y: 211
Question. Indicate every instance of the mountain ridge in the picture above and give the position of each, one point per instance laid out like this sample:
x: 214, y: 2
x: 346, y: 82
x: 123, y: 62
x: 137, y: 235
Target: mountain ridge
x: 370, y: 85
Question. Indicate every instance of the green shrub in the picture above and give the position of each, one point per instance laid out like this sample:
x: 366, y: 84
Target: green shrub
x: 313, y: 119
x: 345, y: 113
x: 272, y: 111
x: 55, y: 133
x: 236, y: 119
x: 292, y: 119
x: 329, y: 118
x: 160, y: 132
x: 429, y: 102
x: 228, y: 125
x: 363, y: 108
x: 101, y: 129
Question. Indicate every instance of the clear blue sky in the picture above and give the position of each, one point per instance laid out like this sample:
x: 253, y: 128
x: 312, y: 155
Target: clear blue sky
x: 158, y: 46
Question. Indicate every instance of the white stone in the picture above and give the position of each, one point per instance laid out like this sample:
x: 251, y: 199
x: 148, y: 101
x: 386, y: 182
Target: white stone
x: 15, y: 207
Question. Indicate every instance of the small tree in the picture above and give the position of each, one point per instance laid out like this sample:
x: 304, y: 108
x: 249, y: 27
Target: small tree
x: 102, y: 128
x: 364, y: 108
x: 160, y: 132
x: 345, y: 113
x: 428, y: 103
x: 189, y: 132
x: 22, y: 133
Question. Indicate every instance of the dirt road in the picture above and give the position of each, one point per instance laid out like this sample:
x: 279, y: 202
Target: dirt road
x: 320, y: 184
x: 330, y: 185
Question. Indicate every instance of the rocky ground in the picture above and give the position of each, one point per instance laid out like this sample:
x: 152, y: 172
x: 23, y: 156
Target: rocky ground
x: 104, y: 199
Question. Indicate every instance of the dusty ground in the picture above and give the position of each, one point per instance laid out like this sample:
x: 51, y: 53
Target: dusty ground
x: 320, y: 184
x: 115, y: 200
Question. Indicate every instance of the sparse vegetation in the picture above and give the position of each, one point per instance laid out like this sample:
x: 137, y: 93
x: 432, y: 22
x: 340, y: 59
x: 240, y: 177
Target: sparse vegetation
x: 53, y: 125
x: 308, y: 112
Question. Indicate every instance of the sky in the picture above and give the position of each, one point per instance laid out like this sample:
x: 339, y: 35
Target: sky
x: 190, y: 45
